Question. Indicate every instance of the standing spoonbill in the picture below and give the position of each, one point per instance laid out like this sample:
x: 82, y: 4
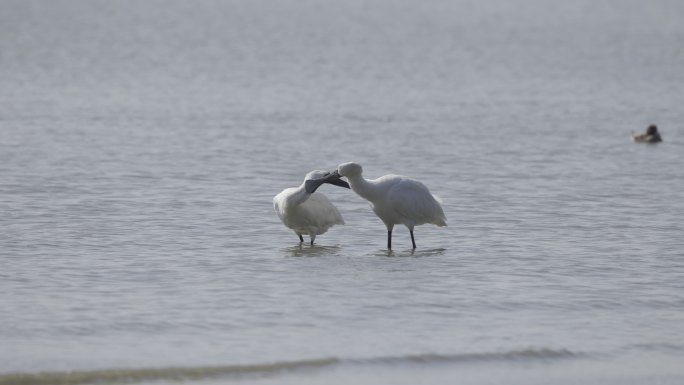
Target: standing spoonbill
x: 395, y: 199
x: 304, y: 210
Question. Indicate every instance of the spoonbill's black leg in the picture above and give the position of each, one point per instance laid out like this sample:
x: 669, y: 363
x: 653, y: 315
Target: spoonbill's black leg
x: 413, y: 240
x: 301, y: 239
x: 389, y: 239
x: 311, y: 243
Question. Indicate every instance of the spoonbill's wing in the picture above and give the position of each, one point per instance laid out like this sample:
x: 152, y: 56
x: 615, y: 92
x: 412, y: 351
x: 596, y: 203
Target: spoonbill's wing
x: 413, y: 202
x: 321, y: 212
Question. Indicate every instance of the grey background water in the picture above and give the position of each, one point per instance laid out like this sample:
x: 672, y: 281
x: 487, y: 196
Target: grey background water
x: 141, y: 144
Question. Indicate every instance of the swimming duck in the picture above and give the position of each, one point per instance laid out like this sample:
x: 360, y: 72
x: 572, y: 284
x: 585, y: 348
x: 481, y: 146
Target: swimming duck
x: 650, y: 136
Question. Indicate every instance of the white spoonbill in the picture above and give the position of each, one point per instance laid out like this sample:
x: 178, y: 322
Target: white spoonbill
x: 395, y: 199
x: 304, y: 210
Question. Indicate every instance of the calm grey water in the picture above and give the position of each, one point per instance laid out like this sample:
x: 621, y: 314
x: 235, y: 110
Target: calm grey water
x: 141, y: 144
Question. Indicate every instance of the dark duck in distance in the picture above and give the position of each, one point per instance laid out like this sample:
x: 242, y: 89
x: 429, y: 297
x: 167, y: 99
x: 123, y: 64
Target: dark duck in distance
x: 650, y: 136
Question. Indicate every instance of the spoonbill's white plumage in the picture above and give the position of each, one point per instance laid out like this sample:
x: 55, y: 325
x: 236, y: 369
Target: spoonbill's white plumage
x: 395, y: 199
x: 306, y: 211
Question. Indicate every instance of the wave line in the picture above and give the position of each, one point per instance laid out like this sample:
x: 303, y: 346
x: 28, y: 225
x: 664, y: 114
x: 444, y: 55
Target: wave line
x: 170, y: 374
x: 516, y: 355
x: 199, y: 373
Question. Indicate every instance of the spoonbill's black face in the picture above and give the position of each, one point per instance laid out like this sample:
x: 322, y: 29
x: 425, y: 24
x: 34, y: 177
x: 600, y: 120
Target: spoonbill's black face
x: 311, y: 185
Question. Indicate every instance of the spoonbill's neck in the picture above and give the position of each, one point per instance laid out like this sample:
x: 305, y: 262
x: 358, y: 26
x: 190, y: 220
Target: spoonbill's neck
x: 298, y: 196
x: 362, y: 187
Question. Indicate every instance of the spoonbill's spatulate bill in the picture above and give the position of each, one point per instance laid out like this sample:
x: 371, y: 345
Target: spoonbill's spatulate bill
x: 306, y: 211
x: 395, y: 199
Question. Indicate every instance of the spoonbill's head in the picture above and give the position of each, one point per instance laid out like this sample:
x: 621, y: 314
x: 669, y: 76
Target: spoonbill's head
x: 349, y: 169
x: 314, y: 179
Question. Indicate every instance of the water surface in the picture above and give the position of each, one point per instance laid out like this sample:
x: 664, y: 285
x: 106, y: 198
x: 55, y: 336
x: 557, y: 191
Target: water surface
x: 141, y: 144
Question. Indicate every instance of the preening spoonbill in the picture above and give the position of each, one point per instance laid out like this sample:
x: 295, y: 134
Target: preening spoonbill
x: 304, y: 210
x: 395, y: 199
x: 650, y: 136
